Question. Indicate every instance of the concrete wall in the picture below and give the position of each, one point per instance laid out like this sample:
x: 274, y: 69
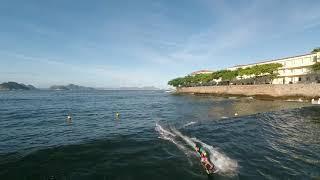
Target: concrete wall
x: 274, y: 90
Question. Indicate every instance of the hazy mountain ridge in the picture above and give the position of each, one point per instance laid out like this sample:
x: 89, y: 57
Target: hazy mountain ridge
x: 8, y: 86
x: 71, y: 87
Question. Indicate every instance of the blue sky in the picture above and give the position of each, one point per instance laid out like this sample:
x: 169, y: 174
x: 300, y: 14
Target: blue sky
x: 146, y: 42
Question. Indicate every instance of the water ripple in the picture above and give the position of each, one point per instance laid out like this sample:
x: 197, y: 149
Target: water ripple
x: 268, y: 139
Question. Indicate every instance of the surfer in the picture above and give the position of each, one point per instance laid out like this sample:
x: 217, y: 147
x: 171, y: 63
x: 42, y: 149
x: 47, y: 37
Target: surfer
x: 204, y: 159
x: 200, y: 151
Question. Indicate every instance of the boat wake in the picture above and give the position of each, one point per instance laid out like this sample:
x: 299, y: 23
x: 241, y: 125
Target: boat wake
x: 189, y: 124
x: 225, y: 165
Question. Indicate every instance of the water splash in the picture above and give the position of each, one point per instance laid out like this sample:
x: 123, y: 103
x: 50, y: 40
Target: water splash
x: 225, y: 165
x: 163, y: 132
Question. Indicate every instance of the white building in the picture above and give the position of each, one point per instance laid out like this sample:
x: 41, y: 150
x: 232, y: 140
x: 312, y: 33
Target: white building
x: 295, y: 69
x: 201, y: 72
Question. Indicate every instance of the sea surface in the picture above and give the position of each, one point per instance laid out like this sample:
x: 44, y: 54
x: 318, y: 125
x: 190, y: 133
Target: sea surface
x: 154, y: 135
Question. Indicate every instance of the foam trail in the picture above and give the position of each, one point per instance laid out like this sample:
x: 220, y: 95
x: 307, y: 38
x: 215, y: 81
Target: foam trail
x: 185, y: 138
x: 163, y: 131
x: 167, y: 135
x: 190, y: 123
x: 223, y: 163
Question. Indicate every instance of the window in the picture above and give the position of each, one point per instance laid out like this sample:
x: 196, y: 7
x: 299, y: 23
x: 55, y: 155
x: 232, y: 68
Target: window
x: 299, y: 79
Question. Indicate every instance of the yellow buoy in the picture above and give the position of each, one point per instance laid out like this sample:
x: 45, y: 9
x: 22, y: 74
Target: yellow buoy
x: 117, y: 115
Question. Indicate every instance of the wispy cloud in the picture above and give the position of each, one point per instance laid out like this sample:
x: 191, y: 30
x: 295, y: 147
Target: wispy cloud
x: 202, y: 44
x: 151, y: 42
x: 96, y: 75
x: 235, y: 29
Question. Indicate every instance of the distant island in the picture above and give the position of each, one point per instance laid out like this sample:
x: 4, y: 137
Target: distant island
x: 70, y: 87
x: 9, y: 86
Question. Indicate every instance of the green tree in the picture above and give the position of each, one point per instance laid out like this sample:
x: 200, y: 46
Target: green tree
x: 270, y: 70
x: 315, y: 67
x: 176, y: 82
x: 216, y: 75
x: 203, y: 78
x: 229, y: 75
x: 315, y: 50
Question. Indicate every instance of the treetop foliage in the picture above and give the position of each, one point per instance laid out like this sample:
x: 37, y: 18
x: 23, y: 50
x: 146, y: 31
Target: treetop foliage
x: 227, y: 75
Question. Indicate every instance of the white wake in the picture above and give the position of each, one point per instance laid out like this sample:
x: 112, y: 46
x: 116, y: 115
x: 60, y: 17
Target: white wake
x: 223, y: 163
x: 188, y: 124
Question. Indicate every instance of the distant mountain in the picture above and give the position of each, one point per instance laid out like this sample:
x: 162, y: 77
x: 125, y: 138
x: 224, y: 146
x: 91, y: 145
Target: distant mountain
x: 70, y: 87
x: 15, y: 86
x: 31, y: 87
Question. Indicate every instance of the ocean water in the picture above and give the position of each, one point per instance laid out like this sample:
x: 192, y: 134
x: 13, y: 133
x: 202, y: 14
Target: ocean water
x: 154, y: 136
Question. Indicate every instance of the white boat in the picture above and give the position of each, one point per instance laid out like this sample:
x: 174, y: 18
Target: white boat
x: 313, y: 101
x: 170, y: 91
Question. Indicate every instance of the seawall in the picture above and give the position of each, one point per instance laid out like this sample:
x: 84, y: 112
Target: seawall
x: 307, y: 91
